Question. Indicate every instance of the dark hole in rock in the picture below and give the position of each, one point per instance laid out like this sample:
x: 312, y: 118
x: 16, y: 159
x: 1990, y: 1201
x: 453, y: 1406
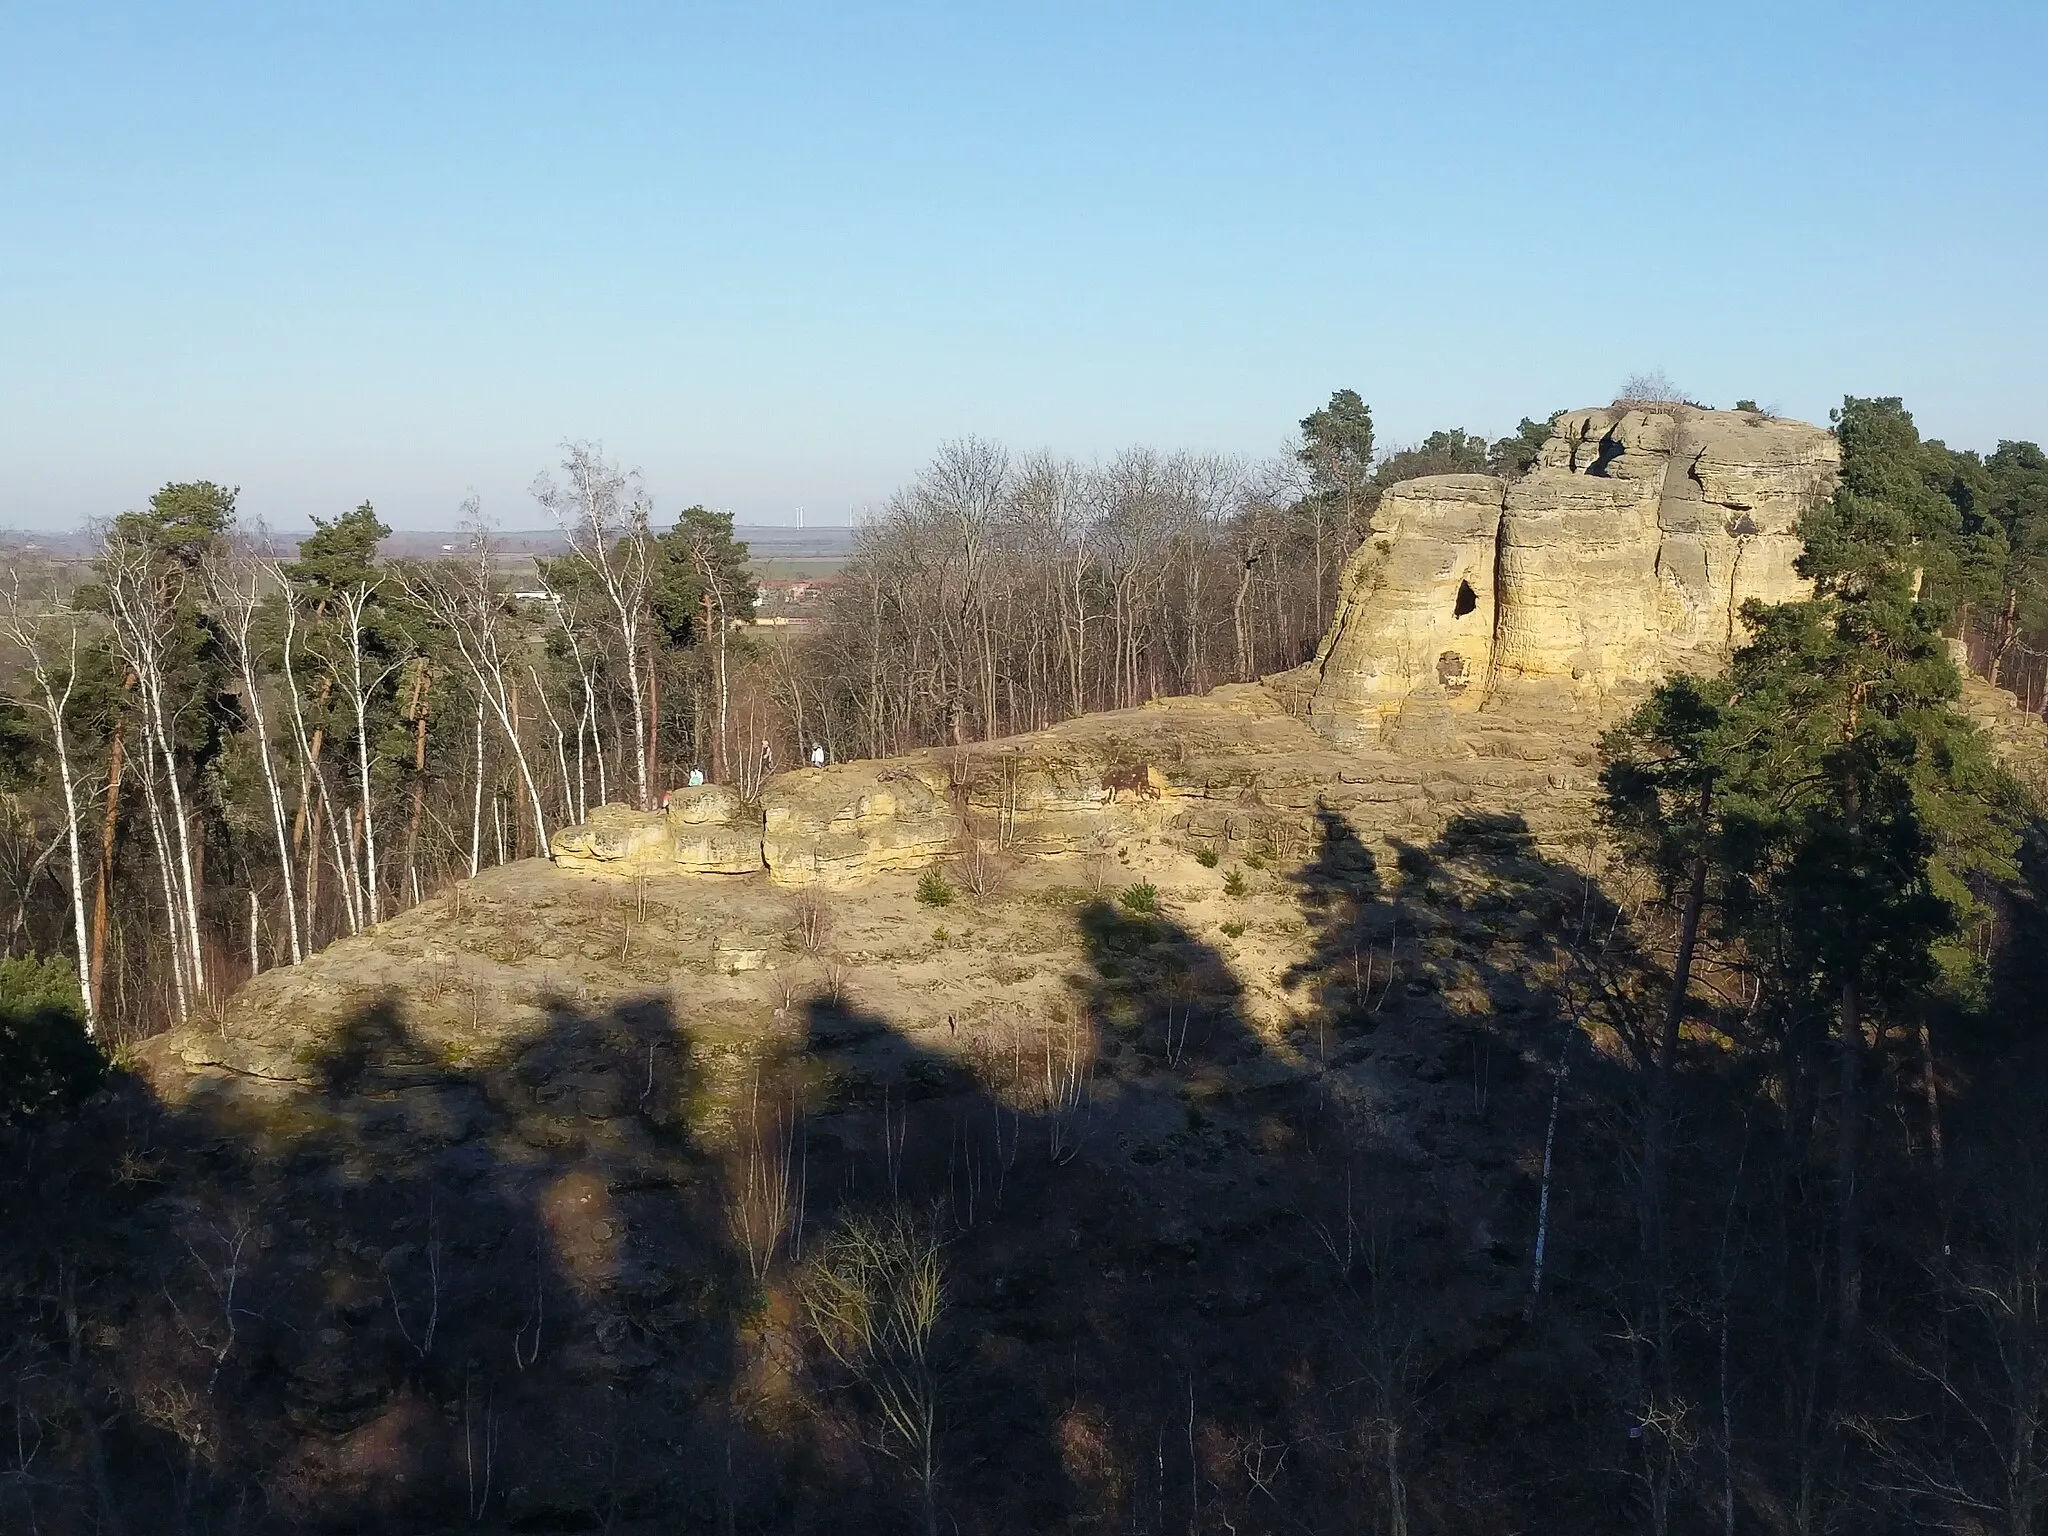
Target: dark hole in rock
x: 1467, y: 600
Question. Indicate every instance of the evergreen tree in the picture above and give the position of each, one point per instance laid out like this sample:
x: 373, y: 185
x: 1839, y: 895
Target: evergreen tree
x: 47, y: 1060
x: 1511, y: 457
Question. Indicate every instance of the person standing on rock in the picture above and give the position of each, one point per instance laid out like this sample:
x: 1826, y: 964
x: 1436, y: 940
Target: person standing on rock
x: 696, y: 777
x: 767, y: 760
x: 817, y: 755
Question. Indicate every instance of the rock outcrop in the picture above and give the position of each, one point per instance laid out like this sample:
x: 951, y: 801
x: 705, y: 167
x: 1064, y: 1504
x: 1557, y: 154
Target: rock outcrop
x: 831, y: 825
x: 1627, y: 550
x: 1484, y: 632
x: 704, y: 830
x: 1232, y: 768
x: 512, y: 1187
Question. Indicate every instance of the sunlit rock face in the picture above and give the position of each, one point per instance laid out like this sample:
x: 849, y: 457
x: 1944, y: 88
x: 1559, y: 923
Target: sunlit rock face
x: 834, y: 826
x: 1627, y: 551
x: 704, y: 830
x: 1483, y: 631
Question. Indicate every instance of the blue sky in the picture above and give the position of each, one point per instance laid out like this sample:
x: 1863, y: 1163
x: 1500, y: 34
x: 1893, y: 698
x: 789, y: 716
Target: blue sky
x: 773, y: 253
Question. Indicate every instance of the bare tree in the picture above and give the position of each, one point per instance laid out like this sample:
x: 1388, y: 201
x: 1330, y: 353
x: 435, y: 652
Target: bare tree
x: 143, y: 590
x: 876, y: 1296
x: 38, y: 636
x: 359, y: 684
x: 312, y: 776
x: 463, y: 599
x: 235, y: 579
x: 605, y: 514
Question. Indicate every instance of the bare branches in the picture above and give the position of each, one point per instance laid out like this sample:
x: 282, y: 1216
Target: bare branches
x: 876, y: 1296
x: 235, y: 580
x: 463, y: 598
x: 49, y: 637
x: 605, y: 513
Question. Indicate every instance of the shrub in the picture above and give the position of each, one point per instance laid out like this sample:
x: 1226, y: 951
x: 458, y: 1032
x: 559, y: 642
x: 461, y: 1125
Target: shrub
x: 812, y: 920
x: 933, y: 891
x: 980, y: 867
x: 1233, y: 930
x: 1255, y: 861
x: 939, y: 936
x: 1142, y: 898
x: 1235, y: 884
x: 47, y: 1061
x: 1208, y: 858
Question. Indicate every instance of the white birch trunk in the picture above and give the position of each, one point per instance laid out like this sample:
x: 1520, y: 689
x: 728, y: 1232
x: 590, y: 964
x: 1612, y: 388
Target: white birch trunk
x: 241, y: 605
x: 353, y: 605
x: 154, y: 805
x: 476, y: 809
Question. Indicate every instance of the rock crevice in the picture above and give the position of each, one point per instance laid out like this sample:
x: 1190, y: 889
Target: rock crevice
x: 1627, y: 550
x: 1483, y: 632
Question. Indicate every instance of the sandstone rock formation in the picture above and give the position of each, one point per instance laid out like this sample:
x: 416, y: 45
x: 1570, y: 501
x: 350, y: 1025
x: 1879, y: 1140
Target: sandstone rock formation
x: 1235, y: 768
x: 1628, y: 550
x: 1484, y: 632
x: 527, y: 1102
x: 826, y: 825
x: 705, y: 830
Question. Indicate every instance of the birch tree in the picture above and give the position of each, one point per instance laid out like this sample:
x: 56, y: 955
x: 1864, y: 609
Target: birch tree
x: 146, y: 589
x: 604, y: 512
x: 235, y: 581
x: 462, y: 598
x: 49, y: 644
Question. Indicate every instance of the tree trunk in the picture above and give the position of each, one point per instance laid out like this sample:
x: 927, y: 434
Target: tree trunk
x: 640, y: 727
x: 1930, y: 1088
x: 419, y: 779
x: 367, y: 827
x: 312, y: 752
x: 109, y: 829
x: 1663, y: 1082
x: 653, y: 722
x: 274, y: 793
x: 160, y: 834
x: 313, y: 871
x: 157, y: 723
x: 1848, y: 1147
x: 2008, y: 628
x: 476, y: 809
x: 56, y: 708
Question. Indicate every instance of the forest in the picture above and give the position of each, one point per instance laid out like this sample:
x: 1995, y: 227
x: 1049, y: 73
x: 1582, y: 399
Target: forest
x: 1798, y: 1013
x: 219, y: 756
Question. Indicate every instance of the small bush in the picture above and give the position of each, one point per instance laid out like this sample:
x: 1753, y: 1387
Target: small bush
x: 1208, y: 858
x: 1255, y: 861
x: 933, y: 891
x: 1142, y: 898
x: 812, y: 920
x: 1235, y: 884
x: 939, y: 936
x: 47, y: 1061
x: 1233, y: 930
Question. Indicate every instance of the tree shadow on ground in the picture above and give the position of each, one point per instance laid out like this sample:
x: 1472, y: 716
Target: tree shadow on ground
x: 1209, y: 1254
x: 412, y: 1291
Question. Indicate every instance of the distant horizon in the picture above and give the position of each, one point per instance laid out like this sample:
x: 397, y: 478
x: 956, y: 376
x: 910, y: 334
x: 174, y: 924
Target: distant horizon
x: 666, y: 508
x: 775, y: 256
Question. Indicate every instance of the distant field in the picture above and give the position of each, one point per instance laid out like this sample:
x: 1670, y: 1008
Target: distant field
x: 779, y: 553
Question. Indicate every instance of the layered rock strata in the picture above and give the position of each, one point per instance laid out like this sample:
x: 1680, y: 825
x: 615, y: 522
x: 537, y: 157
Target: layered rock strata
x: 1234, y: 767
x: 1484, y: 632
x: 1627, y: 551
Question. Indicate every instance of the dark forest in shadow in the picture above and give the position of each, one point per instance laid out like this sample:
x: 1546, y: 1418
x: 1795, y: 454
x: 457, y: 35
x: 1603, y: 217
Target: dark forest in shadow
x: 1197, y: 1277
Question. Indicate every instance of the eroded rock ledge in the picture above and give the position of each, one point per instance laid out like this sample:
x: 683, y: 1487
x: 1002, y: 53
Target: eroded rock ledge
x: 1482, y: 631
x: 1626, y: 552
